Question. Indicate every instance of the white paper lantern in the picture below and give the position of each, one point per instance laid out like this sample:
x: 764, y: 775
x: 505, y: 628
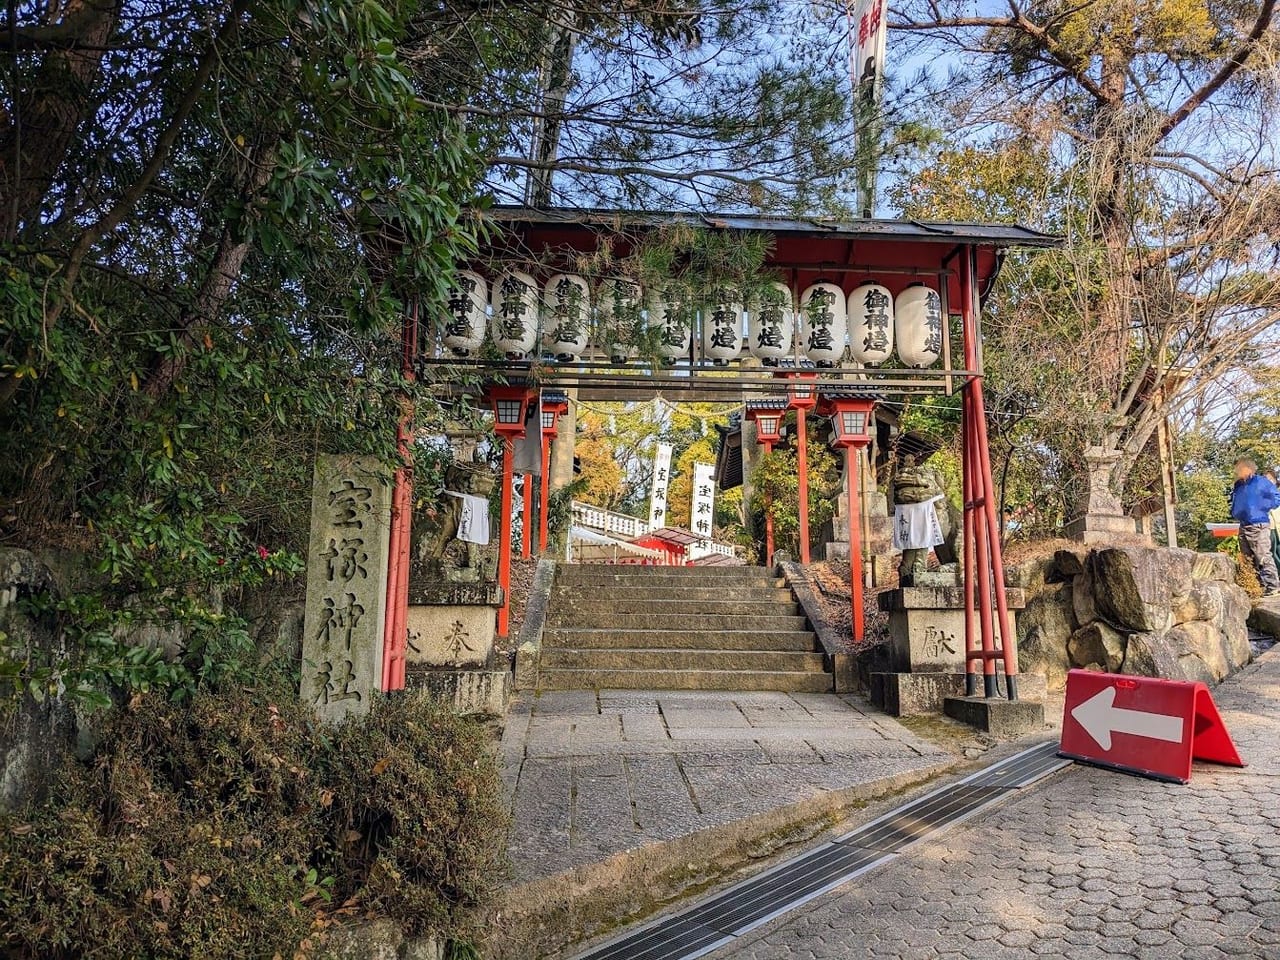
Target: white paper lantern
x: 921, y: 325
x: 871, y: 323
x: 566, y: 316
x: 514, y: 325
x: 620, y: 313
x: 465, y: 314
x: 823, y: 321
x: 722, y: 327
x: 672, y: 316
x: 771, y: 324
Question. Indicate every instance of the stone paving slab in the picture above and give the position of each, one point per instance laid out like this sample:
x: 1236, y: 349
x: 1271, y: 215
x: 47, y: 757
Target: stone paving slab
x: 591, y: 775
x: 1089, y: 864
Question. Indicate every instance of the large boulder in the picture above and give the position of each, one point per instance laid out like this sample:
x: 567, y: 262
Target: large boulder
x: 1097, y: 643
x: 1045, y: 625
x: 1083, y: 606
x: 1133, y: 609
x: 1134, y: 587
x: 1149, y: 655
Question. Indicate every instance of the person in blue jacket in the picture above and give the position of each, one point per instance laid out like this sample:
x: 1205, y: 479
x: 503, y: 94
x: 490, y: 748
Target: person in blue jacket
x: 1253, y: 497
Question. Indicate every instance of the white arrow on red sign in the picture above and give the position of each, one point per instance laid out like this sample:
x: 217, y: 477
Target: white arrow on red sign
x: 1101, y: 718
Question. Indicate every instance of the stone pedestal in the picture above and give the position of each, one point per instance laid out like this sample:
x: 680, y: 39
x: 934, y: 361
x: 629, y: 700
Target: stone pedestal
x: 926, y: 650
x: 346, y: 585
x: 450, y: 653
x: 926, y: 626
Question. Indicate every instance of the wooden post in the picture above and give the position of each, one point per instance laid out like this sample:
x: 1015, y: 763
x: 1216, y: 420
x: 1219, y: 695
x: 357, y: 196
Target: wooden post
x: 853, y: 455
x: 768, y: 517
x: 504, y: 535
x: 802, y: 467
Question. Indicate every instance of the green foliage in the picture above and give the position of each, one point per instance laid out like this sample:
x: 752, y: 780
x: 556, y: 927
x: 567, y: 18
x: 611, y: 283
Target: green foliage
x: 169, y: 371
x: 776, y: 480
x: 233, y: 826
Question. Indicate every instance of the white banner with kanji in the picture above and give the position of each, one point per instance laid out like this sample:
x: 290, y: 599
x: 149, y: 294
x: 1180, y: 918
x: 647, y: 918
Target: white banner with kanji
x: 703, y: 510
x: 870, y: 28
x: 658, y: 492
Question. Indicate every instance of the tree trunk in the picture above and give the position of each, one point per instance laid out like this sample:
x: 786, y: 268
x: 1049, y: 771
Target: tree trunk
x: 215, y: 289
x: 49, y: 104
x: 557, y: 76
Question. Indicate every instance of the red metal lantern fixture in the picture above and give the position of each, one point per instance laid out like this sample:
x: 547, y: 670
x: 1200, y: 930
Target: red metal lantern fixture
x: 767, y: 416
x: 851, y: 418
x: 510, y: 407
x: 554, y: 406
x: 802, y: 396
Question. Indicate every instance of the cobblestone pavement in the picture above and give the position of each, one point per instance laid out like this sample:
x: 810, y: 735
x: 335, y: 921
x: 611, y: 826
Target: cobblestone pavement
x: 1089, y: 864
x: 594, y: 774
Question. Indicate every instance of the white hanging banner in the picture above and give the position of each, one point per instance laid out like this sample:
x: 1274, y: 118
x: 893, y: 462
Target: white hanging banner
x: 703, y: 510
x: 658, y: 492
x: 870, y: 26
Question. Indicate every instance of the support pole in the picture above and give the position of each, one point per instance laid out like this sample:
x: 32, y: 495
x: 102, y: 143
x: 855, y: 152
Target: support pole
x: 971, y: 643
x: 802, y: 467
x: 504, y: 536
x: 768, y: 516
x: 1008, y: 640
x: 395, y: 621
x: 980, y: 516
x: 853, y: 457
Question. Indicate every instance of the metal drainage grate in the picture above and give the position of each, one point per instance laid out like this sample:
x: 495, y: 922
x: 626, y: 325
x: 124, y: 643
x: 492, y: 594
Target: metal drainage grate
x: 702, y: 928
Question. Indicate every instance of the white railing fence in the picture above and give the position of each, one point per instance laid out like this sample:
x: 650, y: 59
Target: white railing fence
x: 628, y: 528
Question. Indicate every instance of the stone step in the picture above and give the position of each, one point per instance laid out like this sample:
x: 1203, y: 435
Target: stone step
x: 672, y: 584
x: 573, y: 593
x: 603, y: 617
x: 583, y: 610
x: 799, y: 641
x: 569, y: 570
x: 775, y: 680
x: 679, y: 658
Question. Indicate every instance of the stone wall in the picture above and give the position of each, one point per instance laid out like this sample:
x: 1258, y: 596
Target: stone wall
x: 1142, y: 610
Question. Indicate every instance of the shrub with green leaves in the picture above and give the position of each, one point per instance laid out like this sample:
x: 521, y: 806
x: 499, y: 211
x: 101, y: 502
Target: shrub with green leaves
x: 236, y: 826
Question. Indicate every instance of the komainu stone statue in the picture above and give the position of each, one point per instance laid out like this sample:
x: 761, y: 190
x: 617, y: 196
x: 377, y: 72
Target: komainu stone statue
x: 437, y: 550
x: 917, y: 483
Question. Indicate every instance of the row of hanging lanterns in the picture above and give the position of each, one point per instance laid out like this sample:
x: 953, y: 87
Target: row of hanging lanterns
x: 869, y: 320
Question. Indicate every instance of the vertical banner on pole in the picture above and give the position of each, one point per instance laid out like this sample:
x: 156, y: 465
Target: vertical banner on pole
x: 658, y: 492
x: 868, y: 29
x: 702, y: 511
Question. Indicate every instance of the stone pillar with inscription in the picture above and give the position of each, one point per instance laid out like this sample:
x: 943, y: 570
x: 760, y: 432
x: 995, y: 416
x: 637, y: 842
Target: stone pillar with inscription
x: 346, y: 585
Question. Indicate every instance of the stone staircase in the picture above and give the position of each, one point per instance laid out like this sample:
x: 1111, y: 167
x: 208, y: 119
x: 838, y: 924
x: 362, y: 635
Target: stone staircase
x: 677, y: 628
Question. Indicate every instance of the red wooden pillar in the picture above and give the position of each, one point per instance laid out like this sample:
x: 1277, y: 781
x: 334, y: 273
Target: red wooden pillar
x: 768, y: 421
x: 510, y: 404
x: 852, y: 460
x: 768, y: 516
x: 802, y: 397
x: 802, y: 466
x: 851, y: 418
x: 396, y: 617
x: 553, y: 407
x: 504, y: 534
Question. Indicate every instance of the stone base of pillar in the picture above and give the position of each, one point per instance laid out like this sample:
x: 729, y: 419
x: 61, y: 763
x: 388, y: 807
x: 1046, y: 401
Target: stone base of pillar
x: 1005, y: 719
x: 920, y: 694
x: 1101, y: 528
